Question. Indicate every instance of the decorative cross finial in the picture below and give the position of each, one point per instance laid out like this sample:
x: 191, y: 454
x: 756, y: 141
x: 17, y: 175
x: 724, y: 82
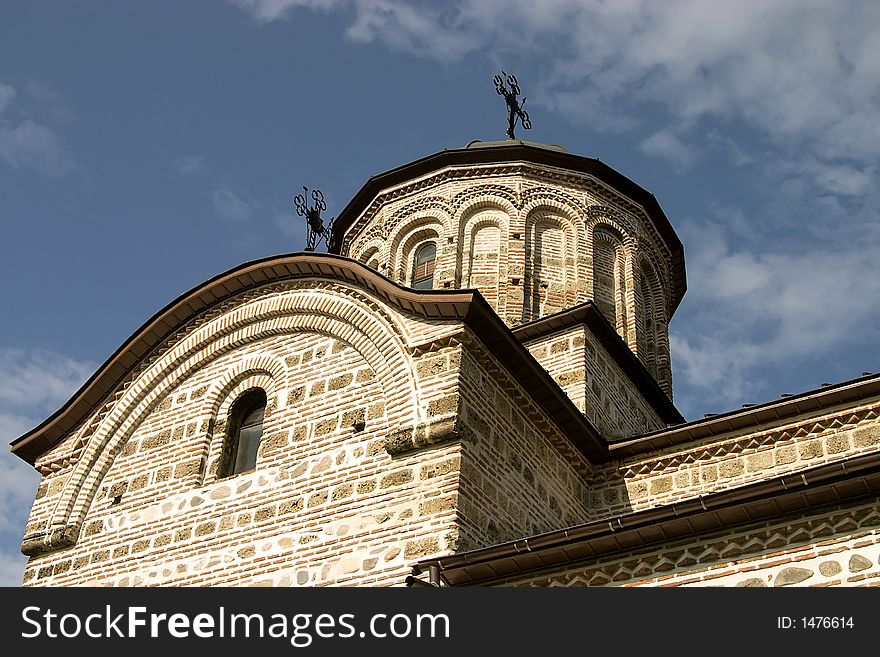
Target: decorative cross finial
x: 514, y: 109
x: 315, y: 228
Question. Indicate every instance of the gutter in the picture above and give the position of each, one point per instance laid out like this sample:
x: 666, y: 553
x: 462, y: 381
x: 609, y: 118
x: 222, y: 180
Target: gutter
x: 830, y: 483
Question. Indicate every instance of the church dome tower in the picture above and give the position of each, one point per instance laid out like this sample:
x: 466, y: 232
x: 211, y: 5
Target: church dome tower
x: 535, y: 229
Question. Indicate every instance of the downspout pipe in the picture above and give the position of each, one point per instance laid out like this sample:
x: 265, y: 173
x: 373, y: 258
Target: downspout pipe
x: 433, y: 577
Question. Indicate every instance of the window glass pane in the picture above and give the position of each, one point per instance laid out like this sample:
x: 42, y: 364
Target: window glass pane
x: 427, y: 252
x: 423, y: 267
x: 254, y: 417
x: 248, y: 443
x: 245, y: 426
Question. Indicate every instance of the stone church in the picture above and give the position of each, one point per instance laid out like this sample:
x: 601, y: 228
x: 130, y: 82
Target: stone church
x: 473, y: 387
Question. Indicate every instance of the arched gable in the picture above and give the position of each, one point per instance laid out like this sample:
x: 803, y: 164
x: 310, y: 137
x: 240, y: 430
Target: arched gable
x: 337, y: 311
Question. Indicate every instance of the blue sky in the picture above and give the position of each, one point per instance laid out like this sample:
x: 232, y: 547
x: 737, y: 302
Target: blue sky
x: 145, y: 147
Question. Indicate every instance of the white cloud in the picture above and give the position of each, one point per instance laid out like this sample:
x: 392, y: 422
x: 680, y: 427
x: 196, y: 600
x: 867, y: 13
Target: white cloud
x: 423, y: 30
x: 13, y: 425
x: 290, y: 225
x: 38, y: 379
x: 585, y: 108
x: 270, y: 10
x: 666, y: 145
x: 231, y: 207
x: 33, y: 385
x: 19, y: 483
x: 190, y: 165
x: 11, y: 569
x: 734, y: 220
x: 7, y: 93
x: 764, y: 305
x: 804, y: 73
x: 731, y: 148
x: 39, y: 91
x: 719, y: 369
x: 29, y: 145
x: 839, y: 179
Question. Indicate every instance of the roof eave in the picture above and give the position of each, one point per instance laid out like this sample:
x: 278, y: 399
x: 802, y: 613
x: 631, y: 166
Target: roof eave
x: 855, y: 478
x: 754, y: 417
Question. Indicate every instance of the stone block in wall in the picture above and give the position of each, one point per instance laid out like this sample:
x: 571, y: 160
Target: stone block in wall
x: 867, y: 436
x: 421, y: 548
x: 432, y: 432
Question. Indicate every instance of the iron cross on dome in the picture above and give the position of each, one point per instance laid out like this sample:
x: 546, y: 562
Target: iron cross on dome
x: 514, y: 109
x: 315, y: 228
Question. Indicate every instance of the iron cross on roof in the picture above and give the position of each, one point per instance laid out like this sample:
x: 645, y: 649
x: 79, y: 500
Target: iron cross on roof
x: 514, y: 109
x: 315, y: 228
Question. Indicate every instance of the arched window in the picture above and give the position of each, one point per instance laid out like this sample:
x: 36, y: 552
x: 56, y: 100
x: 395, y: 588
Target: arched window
x: 244, y: 428
x: 423, y: 266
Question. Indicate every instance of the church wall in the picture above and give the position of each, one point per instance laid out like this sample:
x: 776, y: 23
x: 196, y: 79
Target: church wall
x: 519, y: 474
x: 329, y: 503
x: 837, y: 547
x: 734, y: 459
x: 326, y: 505
x: 582, y: 367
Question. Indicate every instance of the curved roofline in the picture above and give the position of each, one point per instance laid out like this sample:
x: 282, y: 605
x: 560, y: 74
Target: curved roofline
x: 467, y: 306
x: 517, y: 151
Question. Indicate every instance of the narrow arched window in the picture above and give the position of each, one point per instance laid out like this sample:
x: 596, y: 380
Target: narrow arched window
x: 423, y: 266
x: 244, y: 428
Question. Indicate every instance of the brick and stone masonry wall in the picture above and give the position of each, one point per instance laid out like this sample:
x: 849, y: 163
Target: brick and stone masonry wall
x: 543, y: 219
x: 519, y: 475
x: 733, y: 459
x: 837, y: 547
x: 581, y: 366
x: 326, y: 504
